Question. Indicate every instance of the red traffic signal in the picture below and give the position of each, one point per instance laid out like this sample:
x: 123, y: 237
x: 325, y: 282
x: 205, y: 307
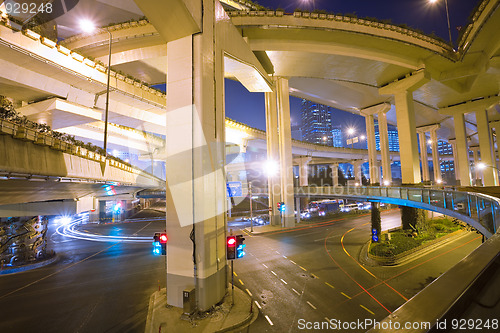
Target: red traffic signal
x: 163, y: 238
x: 231, y: 247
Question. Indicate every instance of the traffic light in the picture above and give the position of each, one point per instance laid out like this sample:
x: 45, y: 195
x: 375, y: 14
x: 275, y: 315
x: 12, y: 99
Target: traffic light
x: 279, y: 204
x: 240, y: 246
x: 160, y: 244
x: 231, y: 247
x: 282, y: 207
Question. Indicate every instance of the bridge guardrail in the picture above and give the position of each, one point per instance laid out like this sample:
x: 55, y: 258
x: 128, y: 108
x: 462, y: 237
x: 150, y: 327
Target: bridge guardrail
x: 44, y: 139
x: 480, y: 210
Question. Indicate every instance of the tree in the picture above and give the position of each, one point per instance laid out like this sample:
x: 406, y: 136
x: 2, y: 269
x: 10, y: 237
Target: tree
x: 376, y: 220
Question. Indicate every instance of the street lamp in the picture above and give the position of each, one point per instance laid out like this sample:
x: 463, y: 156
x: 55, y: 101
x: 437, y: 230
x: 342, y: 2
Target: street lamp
x: 351, y: 132
x: 447, y: 17
x: 89, y: 27
x: 482, y: 166
x: 324, y: 140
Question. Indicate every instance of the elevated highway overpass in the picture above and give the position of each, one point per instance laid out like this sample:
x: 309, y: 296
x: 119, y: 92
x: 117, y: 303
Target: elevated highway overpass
x: 378, y: 70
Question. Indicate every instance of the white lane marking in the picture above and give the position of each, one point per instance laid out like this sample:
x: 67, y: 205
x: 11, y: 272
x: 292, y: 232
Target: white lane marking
x: 269, y: 320
x: 312, y: 306
x: 265, y: 265
x: 283, y: 281
x: 295, y: 291
x: 274, y: 273
x: 293, y: 262
x: 258, y: 305
x: 284, y: 257
x: 277, y: 252
x: 249, y: 293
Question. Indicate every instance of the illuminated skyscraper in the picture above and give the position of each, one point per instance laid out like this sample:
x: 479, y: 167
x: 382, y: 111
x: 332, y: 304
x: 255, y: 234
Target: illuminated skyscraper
x: 316, y: 123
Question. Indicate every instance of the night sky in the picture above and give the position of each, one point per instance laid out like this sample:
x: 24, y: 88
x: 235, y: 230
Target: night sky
x: 248, y: 107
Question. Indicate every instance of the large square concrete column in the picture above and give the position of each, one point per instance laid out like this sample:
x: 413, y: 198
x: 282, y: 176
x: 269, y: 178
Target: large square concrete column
x: 195, y: 159
x: 304, y: 170
x: 358, y: 172
x: 490, y: 174
x: 335, y: 174
x: 403, y: 97
x: 423, y: 156
x: 384, y: 144
x: 455, y: 158
x: 273, y: 156
x: 438, y: 178
x: 462, y: 150
x: 478, y: 174
x: 285, y: 143
x: 374, y: 170
x: 368, y: 113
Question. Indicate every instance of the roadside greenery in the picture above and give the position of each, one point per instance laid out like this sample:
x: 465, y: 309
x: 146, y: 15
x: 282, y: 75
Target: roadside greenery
x: 426, y: 230
x: 8, y: 112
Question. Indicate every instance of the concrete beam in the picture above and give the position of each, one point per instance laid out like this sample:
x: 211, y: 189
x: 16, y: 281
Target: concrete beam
x: 470, y: 106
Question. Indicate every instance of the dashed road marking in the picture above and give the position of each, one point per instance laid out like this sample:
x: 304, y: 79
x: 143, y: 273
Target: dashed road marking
x: 312, y: 306
x: 277, y: 252
x: 346, y: 295
x: 326, y: 318
x: 265, y: 265
x: 241, y: 282
x: 329, y: 285
x: 315, y: 275
x: 303, y: 268
x: 258, y: 305
x: 274, y: 273
x: 293, y: 262
x: 269, y: 320
x: 284, y: 257
x: 283, y: 281
x: 249, y: 293
x: 295, y: 291
x: 235, y: 274
x: 367, y: 309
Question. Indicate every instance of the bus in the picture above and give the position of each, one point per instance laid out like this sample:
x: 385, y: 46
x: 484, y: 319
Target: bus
x: 325, y: 206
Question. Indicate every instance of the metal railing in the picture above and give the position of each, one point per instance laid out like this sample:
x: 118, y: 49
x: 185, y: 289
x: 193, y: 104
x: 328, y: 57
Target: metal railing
x: 479, y: 210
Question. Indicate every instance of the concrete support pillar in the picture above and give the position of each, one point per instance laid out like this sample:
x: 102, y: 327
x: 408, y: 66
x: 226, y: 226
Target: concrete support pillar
x: 435, y: 158
x: 358, y: 173
x: 102, y: 211
x: 490, y: 174
x: 304, y: 170
x: 335, y: 173
x: 368, y: 113
x: 462, y: 150
x: 285, y: 144
x: 455, y: 159
x: 403, y: 96
x: 195, y: 159
x: 478, y: 174
x: 273, y: 157
x: 384, y: 146
x: 423, y: 156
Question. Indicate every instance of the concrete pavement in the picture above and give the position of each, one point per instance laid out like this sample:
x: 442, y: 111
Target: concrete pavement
x: 223, y: 318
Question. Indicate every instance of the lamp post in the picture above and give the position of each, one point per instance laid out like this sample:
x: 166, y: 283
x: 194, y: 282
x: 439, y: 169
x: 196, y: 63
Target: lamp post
x: 447, y: 17
x: 89, y: 27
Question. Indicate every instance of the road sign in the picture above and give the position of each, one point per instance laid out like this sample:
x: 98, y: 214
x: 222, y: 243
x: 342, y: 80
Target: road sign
x: 234, y: 189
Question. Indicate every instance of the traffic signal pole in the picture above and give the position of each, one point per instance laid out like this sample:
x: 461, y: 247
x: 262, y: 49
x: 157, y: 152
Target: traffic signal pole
x: 251, y: 210
x: 232, y: 281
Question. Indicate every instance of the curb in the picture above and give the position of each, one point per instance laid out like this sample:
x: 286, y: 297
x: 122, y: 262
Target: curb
x: 241, y: 324
x: 28, y: 267
x: 413, y: 254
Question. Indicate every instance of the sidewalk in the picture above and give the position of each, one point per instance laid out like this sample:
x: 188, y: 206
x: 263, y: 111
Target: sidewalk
x: 223, y: 318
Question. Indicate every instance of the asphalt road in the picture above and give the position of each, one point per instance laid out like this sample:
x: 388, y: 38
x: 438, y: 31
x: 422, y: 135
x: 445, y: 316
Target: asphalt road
x: 311, y: 274
x: 314, y: 275
x: 93, y: 287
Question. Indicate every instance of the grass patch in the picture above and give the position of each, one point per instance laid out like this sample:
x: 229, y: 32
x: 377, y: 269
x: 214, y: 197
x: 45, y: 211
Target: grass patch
x: 405, y: 240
